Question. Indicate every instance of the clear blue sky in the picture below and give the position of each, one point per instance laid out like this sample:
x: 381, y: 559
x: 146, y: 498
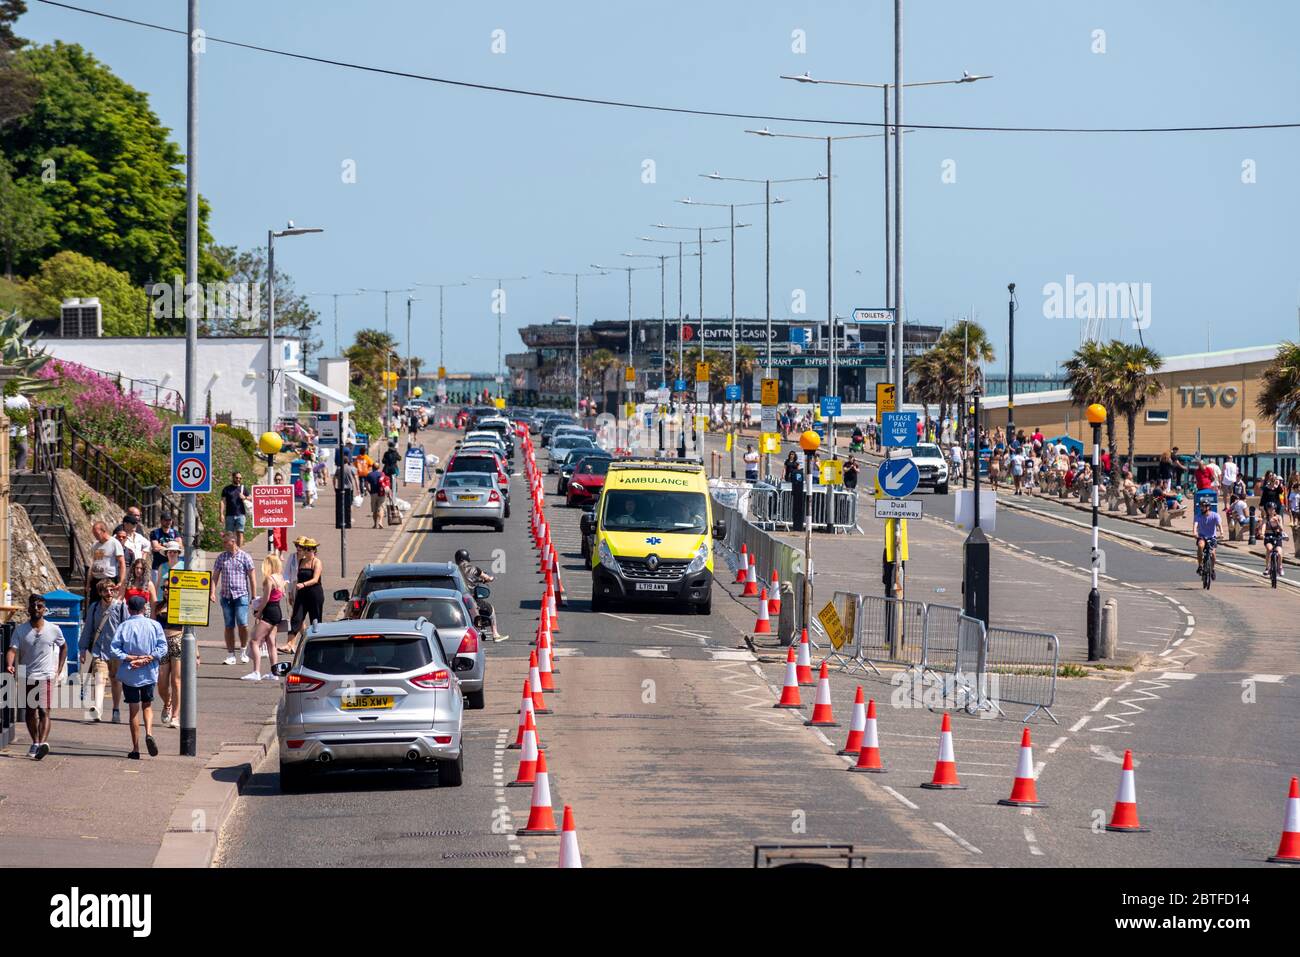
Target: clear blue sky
x: 453, y: 182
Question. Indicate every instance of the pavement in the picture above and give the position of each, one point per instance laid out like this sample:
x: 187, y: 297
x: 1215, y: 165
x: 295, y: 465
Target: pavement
x: 87, y: 805
x: 665, y: 741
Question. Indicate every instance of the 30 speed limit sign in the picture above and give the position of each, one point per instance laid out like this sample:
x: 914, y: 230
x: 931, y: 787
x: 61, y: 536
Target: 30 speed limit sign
x: 191, y: 474
x: 191, y: 458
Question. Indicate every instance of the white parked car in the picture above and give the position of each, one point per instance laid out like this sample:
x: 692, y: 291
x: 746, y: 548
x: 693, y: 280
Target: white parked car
x: 932, y: 465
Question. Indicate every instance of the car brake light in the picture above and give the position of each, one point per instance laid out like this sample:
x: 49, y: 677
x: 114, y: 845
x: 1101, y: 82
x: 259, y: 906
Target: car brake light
x: 439, y: 680
x: 296, y: 682
x: 494, y: 497
x: 295, y: 743
x: 468, y: 644
x: 441, y: 496
x: 357, y: 604
x: 442, y: 738
x: 501, y: 479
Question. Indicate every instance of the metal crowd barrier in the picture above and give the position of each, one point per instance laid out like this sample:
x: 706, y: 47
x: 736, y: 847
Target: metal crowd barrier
x: 843, y: 505
x: 890, y: 630
x: 8, y: 690
x: 767, y: 553
x: 942, y: 623
x: 1025, y: 665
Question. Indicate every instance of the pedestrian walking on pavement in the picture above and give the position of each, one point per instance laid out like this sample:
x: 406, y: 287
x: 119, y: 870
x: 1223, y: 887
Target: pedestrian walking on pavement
x: 309, y: 594
x: 233, y: 583
x: 107, y: 558
x: 103, y: 617
x: 269, y: 617
x: 36, y: 659
x: 140, y: 582
x: 751, y: 463
x: 139, y: 647
x: 169, y: 675
x: 158, y: 539
x: 234, y: 507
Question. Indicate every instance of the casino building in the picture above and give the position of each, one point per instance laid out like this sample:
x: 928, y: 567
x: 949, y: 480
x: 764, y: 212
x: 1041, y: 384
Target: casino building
x: 799, y: 350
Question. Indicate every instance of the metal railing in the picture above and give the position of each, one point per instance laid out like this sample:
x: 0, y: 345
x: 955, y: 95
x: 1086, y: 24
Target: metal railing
x: 61, y: 445
x: 977, y: 668
x: 767, y: 554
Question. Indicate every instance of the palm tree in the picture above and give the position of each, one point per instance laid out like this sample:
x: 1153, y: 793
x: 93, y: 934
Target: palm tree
x: 595, y: 366
x: 1088, y: 374
x: 1279, y: 397
x: 954, y: 362
x: 1131, y: 370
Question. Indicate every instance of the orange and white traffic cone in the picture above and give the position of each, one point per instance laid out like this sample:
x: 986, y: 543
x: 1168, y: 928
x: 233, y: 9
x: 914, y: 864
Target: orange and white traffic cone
x: 1024, y: 791
x: 821, y: 716
x: 790, y: 692
x: 528, y: 756
x: 535, y: 685
x: 525, y: 709
x: 544, y: 664
x: 774, y: 595
x: 559, y: 586
x: 763, y: 626
x: 742, y: 570
x: 541, y: 820
x: 554, y: 618
x: 857, y: 725
x: 1288, y: 851
x: 945, y: 768
x: 804, y: 661
x: 869, y: 756
x: 751, y: 582
x: 1125, y: 815
x: 569, y: 855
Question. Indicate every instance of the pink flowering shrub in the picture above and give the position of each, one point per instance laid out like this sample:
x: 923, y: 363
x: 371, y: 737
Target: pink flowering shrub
x: 98, y: 408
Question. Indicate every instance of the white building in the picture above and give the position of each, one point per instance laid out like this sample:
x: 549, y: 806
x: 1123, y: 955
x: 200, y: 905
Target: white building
x: 230, y: 373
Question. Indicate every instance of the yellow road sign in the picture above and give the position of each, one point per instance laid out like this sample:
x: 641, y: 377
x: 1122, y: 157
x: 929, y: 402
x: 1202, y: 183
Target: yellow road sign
x: 889, y: 538
x: 701, y: 372
x: 832, y: 472
x: 629, y: 410
x: 730, y: 437
x: 886, y: 398
x: 830, y: 620
x: 770, y: 442
x: 189, y: 597
x: 629, y: 374
x: 771, y: 390
x: 442, y: 372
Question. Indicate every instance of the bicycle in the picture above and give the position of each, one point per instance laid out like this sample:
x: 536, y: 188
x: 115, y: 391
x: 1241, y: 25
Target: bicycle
x: 1207, y: 563
x: 1274, y: 559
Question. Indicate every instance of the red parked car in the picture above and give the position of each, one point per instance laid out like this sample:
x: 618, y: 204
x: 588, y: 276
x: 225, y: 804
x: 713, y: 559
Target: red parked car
x: 587, y: 480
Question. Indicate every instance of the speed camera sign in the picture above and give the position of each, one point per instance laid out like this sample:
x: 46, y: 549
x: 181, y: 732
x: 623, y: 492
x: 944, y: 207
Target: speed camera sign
x: 191, y: 458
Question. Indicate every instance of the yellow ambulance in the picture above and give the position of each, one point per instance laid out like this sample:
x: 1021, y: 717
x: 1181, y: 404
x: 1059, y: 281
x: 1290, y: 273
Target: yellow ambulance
x: 650, y: 535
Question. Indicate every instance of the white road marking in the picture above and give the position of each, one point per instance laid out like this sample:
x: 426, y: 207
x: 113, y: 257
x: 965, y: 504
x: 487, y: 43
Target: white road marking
x: 1056, y: 744
x: 728, y: 654
x: 1177, y: 676
x: 1101, y: 704
x: 900, y: 797
x: 1191, y: 622
x: 650, y: 652
x: 608, y: 614
x: 1103, y: 753
x: 1123, y: 686
x: 1032, y: 841
x: 1184, y: 611
x: 682, y: 631
x: 957, y: 837
x: 1079, y: 724
x: 1268, y: 679
x: 566, y: 652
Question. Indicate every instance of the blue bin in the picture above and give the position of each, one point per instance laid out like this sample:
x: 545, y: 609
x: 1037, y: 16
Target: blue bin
x: 63, y: 608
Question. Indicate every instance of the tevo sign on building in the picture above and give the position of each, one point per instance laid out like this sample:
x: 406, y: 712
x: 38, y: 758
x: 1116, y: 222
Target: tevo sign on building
x: 1201, y: 396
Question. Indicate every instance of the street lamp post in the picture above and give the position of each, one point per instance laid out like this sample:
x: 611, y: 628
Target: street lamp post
x: 388, y: 402
x: 808, y: 441
x: 898, y: 87
x: 1011, y: 362
x: 577, y: 343
x: 271, y: 236
x: 335, y: 295
x: 630, y: 364
x: 500, y: 309
x: 409, y: 300
x: 441, y: 286
x: 1096, y: 415
x: 189, y: 641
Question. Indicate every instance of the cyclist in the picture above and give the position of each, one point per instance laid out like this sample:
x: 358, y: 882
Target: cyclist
x: 1273, y: 536
x: 1209, y: 526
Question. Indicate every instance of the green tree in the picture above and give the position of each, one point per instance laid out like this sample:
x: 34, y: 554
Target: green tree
x: 24, y: 220
x: 104, y: 164
x: 18, y: 88
x: 1131, y: 370
x: 73, y: 275
x: 1279, y: 396
x: 292, y: 310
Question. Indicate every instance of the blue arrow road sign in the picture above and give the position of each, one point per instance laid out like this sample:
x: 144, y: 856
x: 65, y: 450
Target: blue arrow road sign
x: 831, y: 405
x: 191, y: 459
x: 679, y: 385
x: 898, y: 429
x: 733, y: 393
x: 899, y: 477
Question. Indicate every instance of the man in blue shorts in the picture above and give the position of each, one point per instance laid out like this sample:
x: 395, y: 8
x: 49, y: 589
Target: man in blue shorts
x: 1209, y: 529
x: 139, y: 646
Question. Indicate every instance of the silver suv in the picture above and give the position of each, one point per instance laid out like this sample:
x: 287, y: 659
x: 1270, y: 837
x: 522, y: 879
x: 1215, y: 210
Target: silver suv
x: 377, y: 692
x: 457, y: 634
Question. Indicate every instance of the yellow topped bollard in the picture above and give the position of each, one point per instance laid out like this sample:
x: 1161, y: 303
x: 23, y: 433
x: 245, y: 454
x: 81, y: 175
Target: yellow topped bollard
x: 270, y: 443
x: 810, y: 441
x: 1095, y: 413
